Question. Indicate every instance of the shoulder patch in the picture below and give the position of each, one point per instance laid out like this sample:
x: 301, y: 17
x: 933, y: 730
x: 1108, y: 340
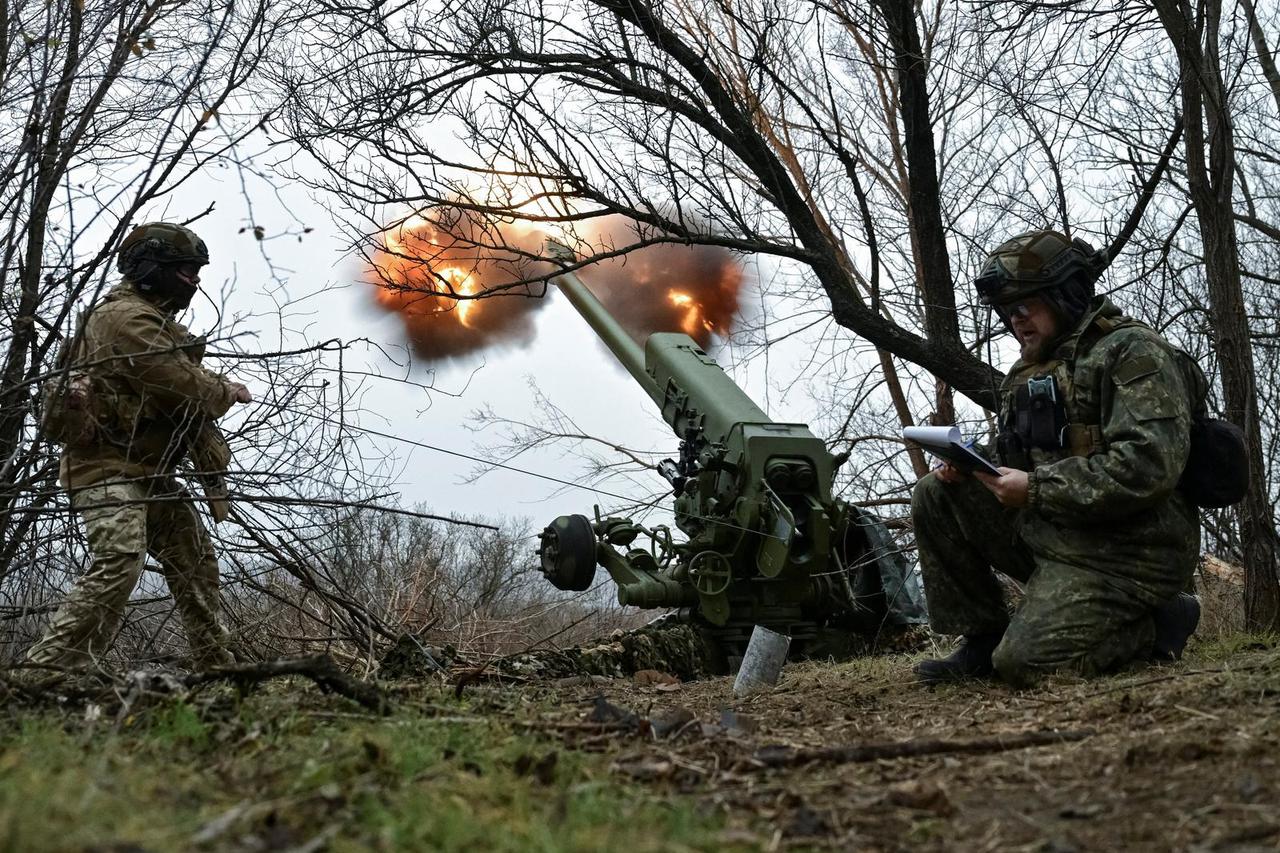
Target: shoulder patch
x: 1134, y: 369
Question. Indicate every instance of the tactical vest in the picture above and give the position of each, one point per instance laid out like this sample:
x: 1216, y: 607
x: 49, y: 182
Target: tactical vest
x: 87, y: 404
x: 1053, y: 409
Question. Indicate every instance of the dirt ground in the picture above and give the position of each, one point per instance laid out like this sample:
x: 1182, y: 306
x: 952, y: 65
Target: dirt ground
x: 1181, y: 757
x: 847, y: 756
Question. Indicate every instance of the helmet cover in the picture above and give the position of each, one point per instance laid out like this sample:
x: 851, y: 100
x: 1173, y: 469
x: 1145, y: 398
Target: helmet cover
x: 155, y: 244
x: 1045, y: 263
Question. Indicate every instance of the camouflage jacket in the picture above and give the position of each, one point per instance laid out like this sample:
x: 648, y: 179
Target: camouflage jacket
x: 1110, y: 497
x: 151, y: 396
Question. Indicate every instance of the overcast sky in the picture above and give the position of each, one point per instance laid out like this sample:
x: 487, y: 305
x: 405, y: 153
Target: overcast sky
x: 571, y: 367
x: 564, y: 358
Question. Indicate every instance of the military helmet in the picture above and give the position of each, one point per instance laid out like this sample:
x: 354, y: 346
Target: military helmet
x: 1036, y: 261
x: 1048, y: 264
x: 155, y: 244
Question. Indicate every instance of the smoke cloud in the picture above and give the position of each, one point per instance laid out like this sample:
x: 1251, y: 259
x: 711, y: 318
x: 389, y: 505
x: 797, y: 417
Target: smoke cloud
x: 668, y: 288
x: 451, y: 279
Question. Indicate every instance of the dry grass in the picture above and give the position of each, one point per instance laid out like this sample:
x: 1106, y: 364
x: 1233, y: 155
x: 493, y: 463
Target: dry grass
x: 1185, y: 756
x: 1179, y: 757
x: 1220, y: 586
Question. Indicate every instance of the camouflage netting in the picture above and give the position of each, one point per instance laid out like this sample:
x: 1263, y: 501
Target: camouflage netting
x: 409, y: 657
x: 680, y: 650
x: 667, y: 646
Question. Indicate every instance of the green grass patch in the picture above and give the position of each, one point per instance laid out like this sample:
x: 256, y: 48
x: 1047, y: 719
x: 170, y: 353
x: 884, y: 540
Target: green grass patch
x: 270, y: 772
x: 1228, y: 646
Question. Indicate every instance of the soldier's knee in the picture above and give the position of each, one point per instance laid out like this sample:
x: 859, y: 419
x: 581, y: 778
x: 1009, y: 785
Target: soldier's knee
x: 928, y: 493
x: 1014, y: 663
x: 117, y: 567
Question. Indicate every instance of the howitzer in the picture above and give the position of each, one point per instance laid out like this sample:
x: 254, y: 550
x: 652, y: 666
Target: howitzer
x: 765, y: 543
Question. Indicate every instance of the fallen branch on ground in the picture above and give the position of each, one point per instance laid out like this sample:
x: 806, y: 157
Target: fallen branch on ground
x: 43, y: 683
x: 320, y: 669
x: 789, y: 756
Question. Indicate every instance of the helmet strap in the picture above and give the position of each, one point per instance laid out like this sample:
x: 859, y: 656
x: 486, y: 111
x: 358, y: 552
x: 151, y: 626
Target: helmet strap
x: 995, y: 392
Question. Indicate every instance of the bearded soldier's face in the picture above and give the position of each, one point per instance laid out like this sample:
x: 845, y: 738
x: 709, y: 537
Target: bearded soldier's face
x: 1034, y: 325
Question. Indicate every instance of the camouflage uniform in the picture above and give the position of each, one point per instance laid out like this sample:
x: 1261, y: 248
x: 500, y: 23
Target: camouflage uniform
x: 152, y: 400
x: 1106, y: 536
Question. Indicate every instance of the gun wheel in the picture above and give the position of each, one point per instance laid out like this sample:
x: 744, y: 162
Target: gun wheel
x: 568, y: 553
x: 710, y: 572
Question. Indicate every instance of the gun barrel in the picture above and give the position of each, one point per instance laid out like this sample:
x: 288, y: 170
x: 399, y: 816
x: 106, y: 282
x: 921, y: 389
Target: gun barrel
x: 627, y: 351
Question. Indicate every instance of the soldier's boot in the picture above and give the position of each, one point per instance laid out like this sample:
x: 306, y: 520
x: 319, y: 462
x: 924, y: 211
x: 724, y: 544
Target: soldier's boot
x: 971, y: 659
x: 1176, y: 621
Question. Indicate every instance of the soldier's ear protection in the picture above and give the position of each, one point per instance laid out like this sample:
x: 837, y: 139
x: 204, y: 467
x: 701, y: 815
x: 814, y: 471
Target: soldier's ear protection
x: 151, y: 246
x: 147, y: 280
x: 1095, y: 261
x: 146, y: 274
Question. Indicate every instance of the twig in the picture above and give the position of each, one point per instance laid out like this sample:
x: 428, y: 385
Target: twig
x: 574, y: 726
x: 53, y: 687
x: 475, y: 674
x: 789, y: 756
x: 320, y: 669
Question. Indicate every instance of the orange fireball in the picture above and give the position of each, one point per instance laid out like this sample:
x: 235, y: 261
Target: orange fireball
x: 694, y: 323
x: 450, y: 280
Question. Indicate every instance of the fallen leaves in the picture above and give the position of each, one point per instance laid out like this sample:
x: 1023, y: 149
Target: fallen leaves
x: 922, y: 795
x: 655, y: 677
x: 670, y: 723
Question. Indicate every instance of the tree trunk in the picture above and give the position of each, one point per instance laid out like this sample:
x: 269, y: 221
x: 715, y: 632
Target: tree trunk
x: 1207, y: 122
x: 940, y: 351
x: 15, y: 393
x: 924, y: 198
x: 1260, y: 47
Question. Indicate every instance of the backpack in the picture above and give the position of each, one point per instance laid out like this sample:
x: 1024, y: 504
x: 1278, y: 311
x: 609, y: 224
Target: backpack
x: 68, y: 402
x: 1217, y: 472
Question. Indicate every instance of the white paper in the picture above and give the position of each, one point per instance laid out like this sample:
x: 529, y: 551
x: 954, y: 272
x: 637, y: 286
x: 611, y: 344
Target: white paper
x: 947, y: 442
x: 935, y: 435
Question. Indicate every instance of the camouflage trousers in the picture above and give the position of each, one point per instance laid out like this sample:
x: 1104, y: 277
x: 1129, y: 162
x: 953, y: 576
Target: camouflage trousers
x: 124, y: 521
x: 1076, y: 615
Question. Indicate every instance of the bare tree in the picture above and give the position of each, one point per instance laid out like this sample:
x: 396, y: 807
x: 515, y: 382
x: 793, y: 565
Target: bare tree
x: 1204, y: 78
x: 117, y: 106
x: 870, y: 153
x: 710, y: 128
x: 1211, y: 167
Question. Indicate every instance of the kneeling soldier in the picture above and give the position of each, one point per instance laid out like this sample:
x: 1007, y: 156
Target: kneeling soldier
x: 1094, y: 435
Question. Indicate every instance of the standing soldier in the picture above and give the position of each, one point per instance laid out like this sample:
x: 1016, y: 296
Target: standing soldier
x: 1095, y: 426
x: 131, y: 403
